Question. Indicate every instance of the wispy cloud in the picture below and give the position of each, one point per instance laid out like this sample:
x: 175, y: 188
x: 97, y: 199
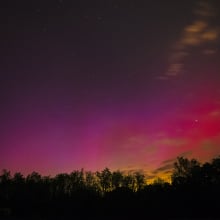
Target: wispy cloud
x: 163, y: 168
x: 215, y: 114
x: 169, y: 161
x: 185, y: 154
x: 210, y: 147
x: 171, y: 142
x: 200, y: 33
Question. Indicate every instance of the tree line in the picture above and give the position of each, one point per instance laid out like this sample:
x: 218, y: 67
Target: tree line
x: 194, y: 191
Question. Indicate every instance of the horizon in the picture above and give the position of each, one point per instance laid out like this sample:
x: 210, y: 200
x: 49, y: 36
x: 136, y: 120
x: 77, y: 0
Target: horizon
x: 167, y: 178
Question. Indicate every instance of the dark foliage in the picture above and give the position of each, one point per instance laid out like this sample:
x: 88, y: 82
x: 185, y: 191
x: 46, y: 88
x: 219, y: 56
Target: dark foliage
x: 193, y: 193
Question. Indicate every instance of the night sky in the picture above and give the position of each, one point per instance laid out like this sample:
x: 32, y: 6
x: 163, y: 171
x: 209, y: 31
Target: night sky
x: 124, y: 84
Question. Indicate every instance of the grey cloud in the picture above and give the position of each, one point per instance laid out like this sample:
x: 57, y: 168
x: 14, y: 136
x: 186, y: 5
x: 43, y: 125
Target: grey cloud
x: 199, y: 33
x: 164, y: 168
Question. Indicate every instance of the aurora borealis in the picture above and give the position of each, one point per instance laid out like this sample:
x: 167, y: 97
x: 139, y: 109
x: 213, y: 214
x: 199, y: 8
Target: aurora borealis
x: 121, y: 84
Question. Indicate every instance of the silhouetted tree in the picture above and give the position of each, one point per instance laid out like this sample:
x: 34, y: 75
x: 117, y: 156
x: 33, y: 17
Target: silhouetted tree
x: 34, y: 177
x: 185, y: 171
x: 140, y: 180
x: 18, y: 178
x: 5, y: 177
x: 117, y: 179
x: 76, y: 181
x: 129, y: 182
x: 5, y: 186
x: 61, y: 184
x: 18, y: 185
x: 216, y: 170
x: 105, y: 179
x: 90, y: 180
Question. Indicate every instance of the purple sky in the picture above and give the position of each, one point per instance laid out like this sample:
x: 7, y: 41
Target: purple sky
x: 93, y: 84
